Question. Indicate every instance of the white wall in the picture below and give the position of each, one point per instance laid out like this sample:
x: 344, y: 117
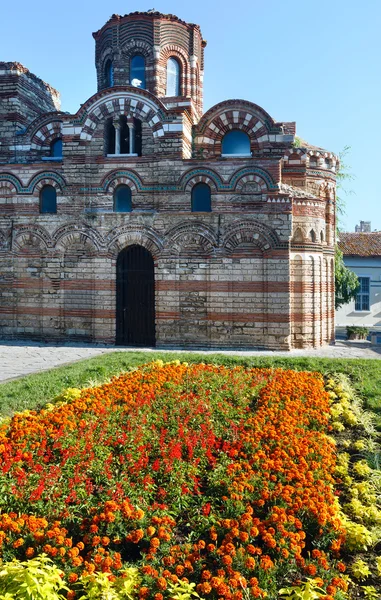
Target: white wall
x: 347, y: 315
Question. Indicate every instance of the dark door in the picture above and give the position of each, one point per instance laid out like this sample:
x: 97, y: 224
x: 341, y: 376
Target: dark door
x: 135, y: 297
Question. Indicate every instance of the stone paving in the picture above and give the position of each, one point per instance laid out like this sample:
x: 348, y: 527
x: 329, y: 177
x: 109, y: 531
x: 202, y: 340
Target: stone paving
x: 23, y: 358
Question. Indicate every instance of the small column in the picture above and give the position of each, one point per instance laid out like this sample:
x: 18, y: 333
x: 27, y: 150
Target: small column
x: 117, y: 136
x: 131, y: 129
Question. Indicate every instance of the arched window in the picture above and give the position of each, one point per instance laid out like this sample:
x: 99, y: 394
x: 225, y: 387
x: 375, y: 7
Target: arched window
x: 109, y: 137
x: 48, y: 199
x: 201, y: 198
x: 122, y: 199
x: 321, y: 237
x: 312, y: 236
x: 236, y: 143
x: 138, y: 71
x: 56, y: 148
x: 109, y: 74
x: 313, y: 162
x: 328, y: 163
x: 173, y: 77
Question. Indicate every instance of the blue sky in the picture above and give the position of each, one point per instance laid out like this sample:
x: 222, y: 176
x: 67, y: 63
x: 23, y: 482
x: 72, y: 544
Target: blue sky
x: 316, y: 63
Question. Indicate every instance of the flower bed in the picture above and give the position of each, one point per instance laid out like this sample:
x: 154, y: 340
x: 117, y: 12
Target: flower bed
x: 220, y: 476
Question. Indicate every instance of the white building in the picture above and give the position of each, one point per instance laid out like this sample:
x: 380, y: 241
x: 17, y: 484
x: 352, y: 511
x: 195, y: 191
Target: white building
x: 362, y: 254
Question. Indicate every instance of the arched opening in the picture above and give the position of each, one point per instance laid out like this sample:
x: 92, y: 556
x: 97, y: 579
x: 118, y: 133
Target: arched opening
x: 122, y: 199
x: 109, y: 74
x: 236, y: 143
x: 109, y: 137
x: 135, y: 297
x: 312, y: 235
x: 173, y: 77
x: 138, y: 71
x: 48, y: 200
x: 123, y: 136
x: 56, y: 148
x: 322, y: 237
x: 201, y: 198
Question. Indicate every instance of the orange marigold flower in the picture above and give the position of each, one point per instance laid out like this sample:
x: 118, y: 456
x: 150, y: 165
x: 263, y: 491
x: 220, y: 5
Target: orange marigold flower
x: 161, y: 583
x: 73, y: 577
x: 18, y: 543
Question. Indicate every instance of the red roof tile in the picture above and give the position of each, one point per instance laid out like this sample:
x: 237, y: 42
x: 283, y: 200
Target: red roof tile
x: 360, y: 244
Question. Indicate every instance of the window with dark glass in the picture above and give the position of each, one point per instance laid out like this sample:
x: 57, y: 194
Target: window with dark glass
x: 236, y: 143
x: 56, y: 148
x: 138, y: 71
x: 109, y: 73
x: 173, y: 77
x: 48, y: 199
x: 362, y: 298
x: 124, y: 136
x: 201, y: 198
x: 122, y: 199
x: 109, y: 137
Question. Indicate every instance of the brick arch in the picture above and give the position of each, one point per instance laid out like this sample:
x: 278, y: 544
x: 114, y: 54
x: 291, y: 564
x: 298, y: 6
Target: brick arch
x: 42, y: 182
x: 247, y: 174
x: 190, y: 236
x: 175, y: 51
x: 229, y: 115
x: 64, y: 236
x: 115, y: 178
x: 126, y: 235
x: 36, y: 235
x: 249, y: 232
x: 129, y: 102
x: 189, y: 179
x: 9, y: 184
x: 45, y: 134
x: 134, y: 47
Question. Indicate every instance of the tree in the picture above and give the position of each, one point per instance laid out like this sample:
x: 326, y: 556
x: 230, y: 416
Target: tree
x: 346, y: 281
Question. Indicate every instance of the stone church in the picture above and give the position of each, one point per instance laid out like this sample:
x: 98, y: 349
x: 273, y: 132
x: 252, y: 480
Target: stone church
x: 143, y: 221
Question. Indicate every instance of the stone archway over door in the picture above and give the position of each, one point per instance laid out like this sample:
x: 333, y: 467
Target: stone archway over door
x: 135, y: 297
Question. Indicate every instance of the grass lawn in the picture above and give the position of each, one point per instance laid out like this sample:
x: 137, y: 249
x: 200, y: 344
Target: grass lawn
x: 33, y: 391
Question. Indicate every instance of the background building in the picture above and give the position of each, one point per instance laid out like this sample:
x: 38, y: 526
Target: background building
x: 142, y: 221
x: 362, y: 255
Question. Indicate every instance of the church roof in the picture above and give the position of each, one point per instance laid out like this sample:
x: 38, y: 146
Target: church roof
x: 155, y: 14
x: 360, y: 244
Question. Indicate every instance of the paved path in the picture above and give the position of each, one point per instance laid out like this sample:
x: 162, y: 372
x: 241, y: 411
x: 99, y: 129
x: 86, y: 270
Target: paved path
x: 22, y: 358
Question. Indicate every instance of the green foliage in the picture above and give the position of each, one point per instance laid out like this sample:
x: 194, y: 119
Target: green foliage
x: 343, y: 175
x: 370, y: 592
x: 297, y: 142
x: 183, y: 591
x: 36, y: 579
x: 307, y: 590
x: 346, y: 281
x: 99, y: 586
x: 360, y: 570
x: 359, y: 332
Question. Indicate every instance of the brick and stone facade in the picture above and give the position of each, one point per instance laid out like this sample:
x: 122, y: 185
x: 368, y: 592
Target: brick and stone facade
x: 254, y: 271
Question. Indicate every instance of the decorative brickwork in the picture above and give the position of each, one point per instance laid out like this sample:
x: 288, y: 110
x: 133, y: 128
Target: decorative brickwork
x: 254, y: 271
